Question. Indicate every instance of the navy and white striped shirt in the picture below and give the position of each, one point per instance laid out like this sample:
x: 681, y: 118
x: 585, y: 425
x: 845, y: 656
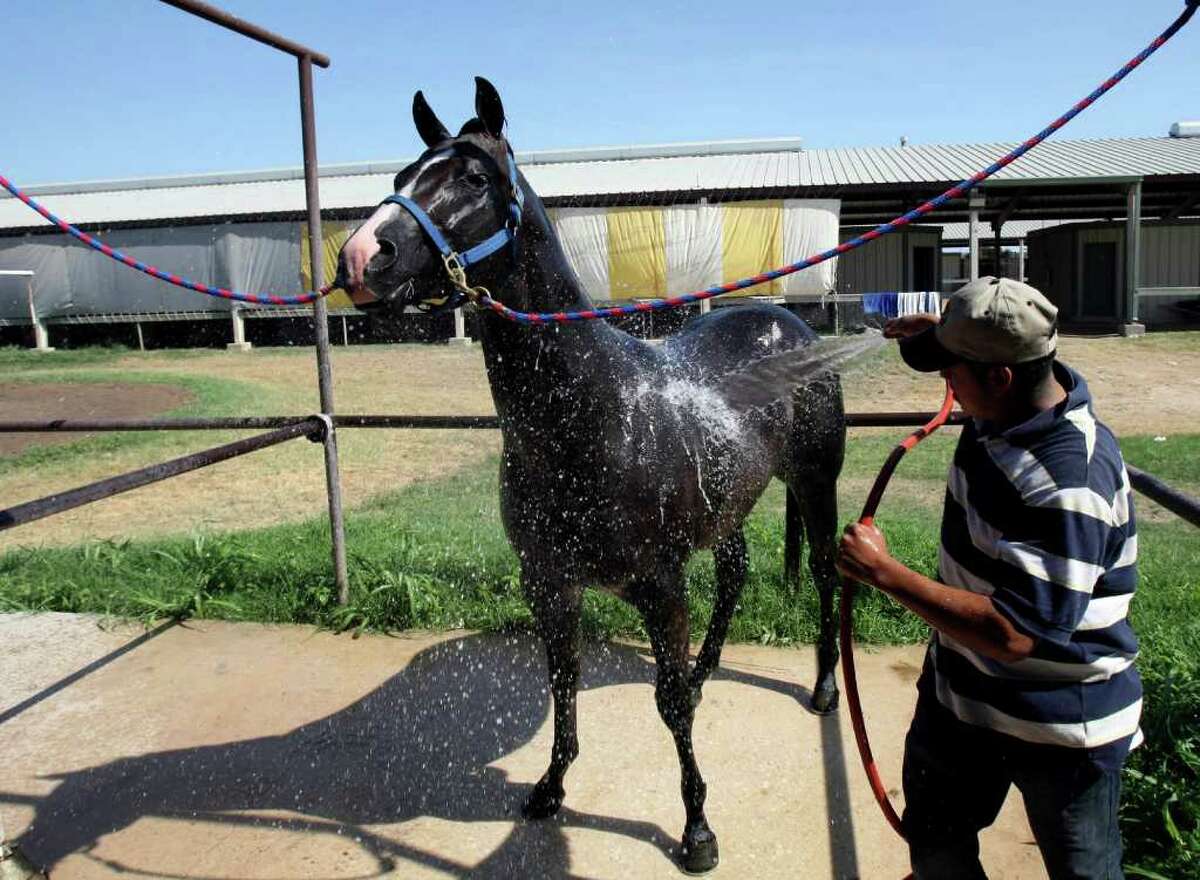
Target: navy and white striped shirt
x: 1040, y: 518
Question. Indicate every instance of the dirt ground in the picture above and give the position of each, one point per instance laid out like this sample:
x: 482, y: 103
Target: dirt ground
x: 1142, y: 386
x: 99, y: 400
x: 246, y: 751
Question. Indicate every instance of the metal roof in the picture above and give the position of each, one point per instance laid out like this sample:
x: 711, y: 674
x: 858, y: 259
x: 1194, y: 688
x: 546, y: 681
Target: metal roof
x: 738, y: 167
x: 1010, y: 231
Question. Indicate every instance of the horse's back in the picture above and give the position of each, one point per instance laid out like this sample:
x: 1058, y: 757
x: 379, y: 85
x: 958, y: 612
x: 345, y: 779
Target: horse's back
x: 729, y: 338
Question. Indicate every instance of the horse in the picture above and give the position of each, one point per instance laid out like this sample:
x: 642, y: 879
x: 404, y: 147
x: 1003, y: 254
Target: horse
x: 619, y: 458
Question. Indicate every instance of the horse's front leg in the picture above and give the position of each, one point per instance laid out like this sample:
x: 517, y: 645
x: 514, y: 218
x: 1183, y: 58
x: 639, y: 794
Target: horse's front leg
x: 664, y: 608
x: 556, y: 608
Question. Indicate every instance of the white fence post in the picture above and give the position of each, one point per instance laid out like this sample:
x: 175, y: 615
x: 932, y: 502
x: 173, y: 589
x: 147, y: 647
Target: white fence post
x: 41, y: 336
x: 460, y: 329
x: 239, y: 332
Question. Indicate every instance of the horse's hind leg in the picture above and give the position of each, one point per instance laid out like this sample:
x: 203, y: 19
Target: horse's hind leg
x: 663, y: 605
x: 556, y: 609
x: 729, y: 560
x: 819, y: 506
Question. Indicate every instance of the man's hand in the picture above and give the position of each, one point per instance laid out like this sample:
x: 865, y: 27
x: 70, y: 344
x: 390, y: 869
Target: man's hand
x: 863, y: 554
x: 909, y: 325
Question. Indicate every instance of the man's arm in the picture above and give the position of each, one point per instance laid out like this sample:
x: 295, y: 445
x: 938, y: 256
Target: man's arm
x: 969, y: 618
x: 898, y: 328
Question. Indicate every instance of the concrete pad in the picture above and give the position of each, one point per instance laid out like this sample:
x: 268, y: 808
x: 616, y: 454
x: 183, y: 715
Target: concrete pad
x: 244, y: 751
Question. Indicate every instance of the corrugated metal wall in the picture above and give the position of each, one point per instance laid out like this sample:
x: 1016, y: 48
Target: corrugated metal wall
x: 1170, y: 256
x: 885, y: 264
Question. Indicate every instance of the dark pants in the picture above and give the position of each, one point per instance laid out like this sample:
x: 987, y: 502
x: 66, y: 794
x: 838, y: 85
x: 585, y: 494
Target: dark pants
x: 956, y: 777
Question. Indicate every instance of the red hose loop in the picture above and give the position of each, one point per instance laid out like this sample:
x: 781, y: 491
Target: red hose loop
x: 849, y: 676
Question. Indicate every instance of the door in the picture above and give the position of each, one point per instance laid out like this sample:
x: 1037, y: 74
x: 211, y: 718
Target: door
x: 925, y: 268
x: 1099, y: 295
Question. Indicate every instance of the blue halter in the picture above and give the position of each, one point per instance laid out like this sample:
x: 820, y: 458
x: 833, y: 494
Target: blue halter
x: 457, y: 263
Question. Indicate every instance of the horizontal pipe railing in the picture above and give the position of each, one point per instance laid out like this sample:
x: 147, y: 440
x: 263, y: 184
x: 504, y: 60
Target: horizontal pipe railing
x: 853, y: 420
x: 248, y: 29
x: 59, y: 502
x: 288, y: 427
x: 1183, y: 506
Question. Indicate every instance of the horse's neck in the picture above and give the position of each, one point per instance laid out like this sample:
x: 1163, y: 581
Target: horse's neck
x: 553, y: 364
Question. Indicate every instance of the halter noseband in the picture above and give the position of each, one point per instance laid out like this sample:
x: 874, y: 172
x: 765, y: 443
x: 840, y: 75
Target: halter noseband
x: 457, y: 263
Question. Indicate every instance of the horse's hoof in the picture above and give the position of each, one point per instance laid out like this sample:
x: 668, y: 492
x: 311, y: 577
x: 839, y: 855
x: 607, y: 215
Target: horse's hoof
x: 543, y: 802
x: 825, y: 700
x: 699, y: 852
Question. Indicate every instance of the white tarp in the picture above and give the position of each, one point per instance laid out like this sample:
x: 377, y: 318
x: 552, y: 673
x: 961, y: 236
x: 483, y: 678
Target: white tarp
x: 693, y: 247
x: 584, y: 236
x: 810, y: 226
x: 71, y: 279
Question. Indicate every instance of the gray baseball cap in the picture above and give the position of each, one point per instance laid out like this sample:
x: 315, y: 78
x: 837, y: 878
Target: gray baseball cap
x: 989, y: 321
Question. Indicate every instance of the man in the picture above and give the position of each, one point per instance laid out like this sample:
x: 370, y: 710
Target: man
x: 1029, y: 677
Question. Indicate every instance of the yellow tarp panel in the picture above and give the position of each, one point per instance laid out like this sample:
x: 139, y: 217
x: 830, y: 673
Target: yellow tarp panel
x: 334, y: 234
x: 637, y: 258
x: 752, y: 242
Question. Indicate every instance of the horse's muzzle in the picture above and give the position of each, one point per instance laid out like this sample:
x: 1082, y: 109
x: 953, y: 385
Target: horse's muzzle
x: 366, y: 300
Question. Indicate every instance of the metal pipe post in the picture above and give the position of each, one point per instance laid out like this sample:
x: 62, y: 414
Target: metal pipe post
x: 321, y: 326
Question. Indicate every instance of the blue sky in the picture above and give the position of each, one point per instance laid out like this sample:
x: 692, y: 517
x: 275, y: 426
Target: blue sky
x: 129, y: 88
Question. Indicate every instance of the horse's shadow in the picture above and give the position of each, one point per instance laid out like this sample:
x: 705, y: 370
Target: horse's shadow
x: 418, y: 745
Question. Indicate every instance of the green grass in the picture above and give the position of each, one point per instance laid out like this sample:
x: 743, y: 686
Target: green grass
x: 1175, y: 458
x: 23, y: 360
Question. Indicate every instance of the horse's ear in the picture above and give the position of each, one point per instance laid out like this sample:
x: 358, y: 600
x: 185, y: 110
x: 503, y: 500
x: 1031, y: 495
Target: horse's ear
x: 488, y: 108
x: 429, y: 127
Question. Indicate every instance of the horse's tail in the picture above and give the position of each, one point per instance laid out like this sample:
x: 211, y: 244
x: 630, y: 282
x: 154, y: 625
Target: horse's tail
x: 817, y: 450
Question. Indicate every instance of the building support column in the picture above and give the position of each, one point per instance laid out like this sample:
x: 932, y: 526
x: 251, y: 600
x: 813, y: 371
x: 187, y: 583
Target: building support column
x: 996, y: 227
x: 1130, y: 325
x: 239, y: 332
x: 974, y: 203
x: 460, y: 336
x: 1021, y: 260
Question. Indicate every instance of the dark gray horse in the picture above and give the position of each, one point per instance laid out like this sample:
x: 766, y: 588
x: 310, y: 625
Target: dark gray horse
x: 620, y: 458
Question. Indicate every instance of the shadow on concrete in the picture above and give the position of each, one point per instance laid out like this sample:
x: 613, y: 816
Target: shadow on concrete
x: 95, y: 665
x: 418, y: 745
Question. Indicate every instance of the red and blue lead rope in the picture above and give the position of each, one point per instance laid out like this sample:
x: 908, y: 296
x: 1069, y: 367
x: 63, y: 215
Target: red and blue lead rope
x: 655, y: 304
x: 178, y: 280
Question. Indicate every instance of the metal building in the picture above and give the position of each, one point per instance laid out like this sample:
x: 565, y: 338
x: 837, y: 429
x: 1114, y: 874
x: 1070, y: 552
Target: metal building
x: 246, y: 229
x: 1083, y: 268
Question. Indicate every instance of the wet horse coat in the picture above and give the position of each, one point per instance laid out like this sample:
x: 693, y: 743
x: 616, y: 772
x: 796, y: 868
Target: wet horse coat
x: 620, y: 457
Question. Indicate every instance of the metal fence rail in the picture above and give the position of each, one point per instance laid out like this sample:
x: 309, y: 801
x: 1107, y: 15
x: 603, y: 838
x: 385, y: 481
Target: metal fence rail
x: 1182, y: 505
x: 853, y: 420
x: 313, y: 427
x: 317, y: 428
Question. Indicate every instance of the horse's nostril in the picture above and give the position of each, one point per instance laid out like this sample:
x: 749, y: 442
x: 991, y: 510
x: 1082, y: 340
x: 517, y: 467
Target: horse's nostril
x: 385, y: 256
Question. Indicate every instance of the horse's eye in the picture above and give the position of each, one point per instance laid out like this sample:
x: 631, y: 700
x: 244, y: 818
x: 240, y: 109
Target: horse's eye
x: 477, y: 180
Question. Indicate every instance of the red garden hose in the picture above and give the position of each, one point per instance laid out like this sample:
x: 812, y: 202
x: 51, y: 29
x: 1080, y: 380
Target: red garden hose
x: 848, y: 588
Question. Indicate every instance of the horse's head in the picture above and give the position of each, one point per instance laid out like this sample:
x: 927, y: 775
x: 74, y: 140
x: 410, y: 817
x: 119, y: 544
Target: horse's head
x: 459, y: 204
